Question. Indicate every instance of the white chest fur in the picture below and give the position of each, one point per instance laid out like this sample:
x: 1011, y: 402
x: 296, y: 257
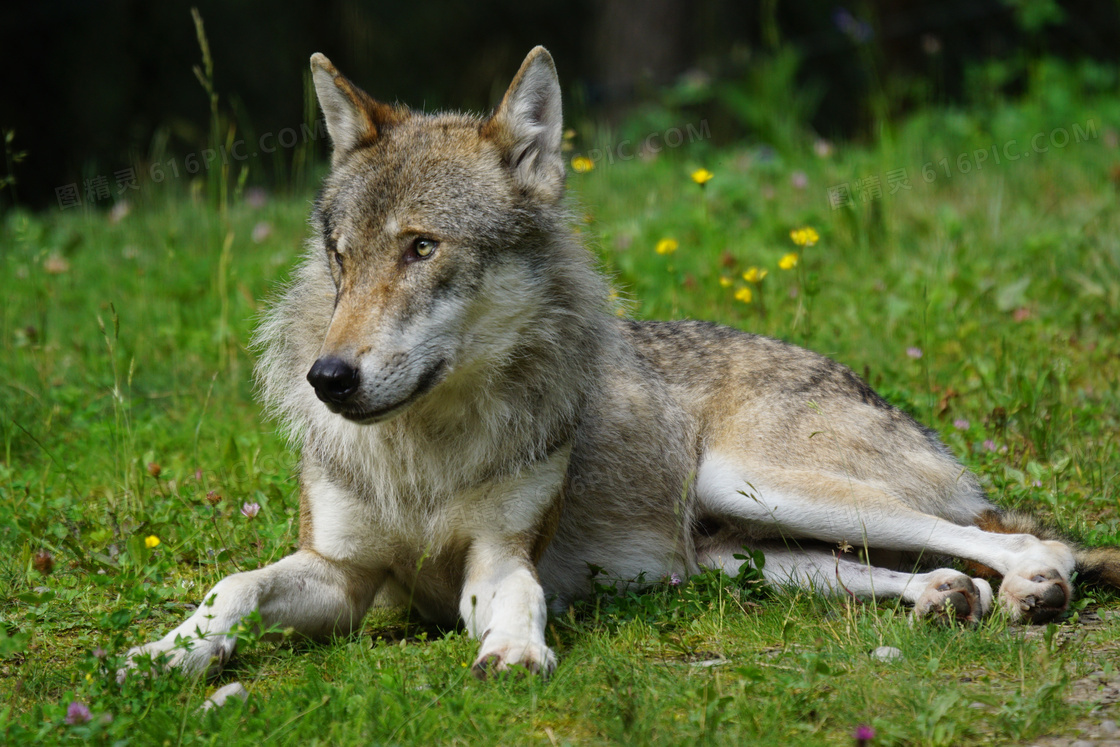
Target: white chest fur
x: 370, y: 528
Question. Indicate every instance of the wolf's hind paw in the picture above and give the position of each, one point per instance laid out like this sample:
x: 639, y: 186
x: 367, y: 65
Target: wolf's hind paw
x: 954, y: 597
x: 1035, y: 597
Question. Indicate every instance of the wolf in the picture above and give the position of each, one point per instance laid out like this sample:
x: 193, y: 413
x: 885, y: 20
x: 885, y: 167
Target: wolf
x: 478, y: 431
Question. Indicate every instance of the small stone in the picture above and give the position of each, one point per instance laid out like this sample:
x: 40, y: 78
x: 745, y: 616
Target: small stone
x: 886, y: 653
x: 223, y: 694
x: 1108, y: 726
x: 1081, y: 743
x: 710, y: 663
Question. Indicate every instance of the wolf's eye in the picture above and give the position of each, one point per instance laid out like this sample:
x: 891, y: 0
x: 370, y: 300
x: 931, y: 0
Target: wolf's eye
x: 421, y: 248
x: 336, y: 264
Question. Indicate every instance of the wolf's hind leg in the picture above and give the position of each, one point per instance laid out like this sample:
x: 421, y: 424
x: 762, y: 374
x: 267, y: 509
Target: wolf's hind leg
x: 304, y: 591
x: 942, y: 593
x: 830, y: 508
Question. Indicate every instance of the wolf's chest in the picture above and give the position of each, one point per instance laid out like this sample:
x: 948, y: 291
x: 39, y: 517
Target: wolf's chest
x: 378, y: 531
x: 380, y: 523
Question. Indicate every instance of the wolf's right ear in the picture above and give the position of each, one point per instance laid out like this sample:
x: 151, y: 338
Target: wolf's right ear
x: 353, y: 117
x: 527, y: 126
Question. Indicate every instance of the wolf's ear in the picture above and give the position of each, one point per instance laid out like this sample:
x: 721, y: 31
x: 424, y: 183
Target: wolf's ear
x: 527, y: 126
x: 353, y: 117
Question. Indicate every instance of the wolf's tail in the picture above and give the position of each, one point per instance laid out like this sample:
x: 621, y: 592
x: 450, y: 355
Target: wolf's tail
x: 1100, y: 565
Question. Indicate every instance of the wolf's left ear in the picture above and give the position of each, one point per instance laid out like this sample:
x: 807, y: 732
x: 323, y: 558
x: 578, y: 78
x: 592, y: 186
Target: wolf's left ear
x: 353, y: 117
x: 528, y: 126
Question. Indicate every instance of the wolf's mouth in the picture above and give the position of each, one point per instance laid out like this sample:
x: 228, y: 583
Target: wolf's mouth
x: 369, y: 417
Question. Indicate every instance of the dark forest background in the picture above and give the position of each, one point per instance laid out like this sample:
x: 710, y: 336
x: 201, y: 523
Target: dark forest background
x: 93, y: 88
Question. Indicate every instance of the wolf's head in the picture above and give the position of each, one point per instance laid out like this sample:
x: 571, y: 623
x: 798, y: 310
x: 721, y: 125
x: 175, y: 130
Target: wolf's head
x: 433, y: 231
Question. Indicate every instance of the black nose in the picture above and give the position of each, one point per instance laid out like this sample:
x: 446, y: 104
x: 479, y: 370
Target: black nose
x: 334, y: 379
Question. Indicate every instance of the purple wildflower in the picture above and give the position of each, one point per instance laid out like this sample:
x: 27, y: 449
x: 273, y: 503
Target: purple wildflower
x: 250, y: 510
x: 852, y: 27
x: 44, y: 562
x: 864, y: 734
x: 989, y: 445
x: 799, y: 180
x: 78, y: 713
x: 961, y: 424
x: 261, y: 231
x: 255, y: 197
x: 914, y: 353
x: 674, y: 579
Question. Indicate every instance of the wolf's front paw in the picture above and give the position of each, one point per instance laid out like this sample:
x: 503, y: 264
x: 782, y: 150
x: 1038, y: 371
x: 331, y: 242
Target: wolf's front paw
x: 499, y: 655
x: 191, y: 655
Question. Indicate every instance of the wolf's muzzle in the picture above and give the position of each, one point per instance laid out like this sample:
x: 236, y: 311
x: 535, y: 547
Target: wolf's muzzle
x: 334, y: 380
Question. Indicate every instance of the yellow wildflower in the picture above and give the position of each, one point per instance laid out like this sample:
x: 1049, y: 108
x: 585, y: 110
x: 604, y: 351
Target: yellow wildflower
x: 667, y: 246
x: 744, y: 295
x: 724, y: 281
x: 754, y: 275
x: 788, y: 262
x: 702, y: 176
x: 151, y: 541
x: 804, y: 236
x: 582, y: 164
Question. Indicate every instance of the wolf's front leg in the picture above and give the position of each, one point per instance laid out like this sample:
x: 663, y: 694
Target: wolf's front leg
x: 503, y: 607
x: 304, y: 591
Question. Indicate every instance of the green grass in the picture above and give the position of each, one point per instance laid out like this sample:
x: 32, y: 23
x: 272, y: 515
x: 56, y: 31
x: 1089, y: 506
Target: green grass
x: 133, y: 354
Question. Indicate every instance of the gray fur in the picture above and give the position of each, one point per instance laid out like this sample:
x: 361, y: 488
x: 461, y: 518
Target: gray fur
x: 506, y: 433
x: 639, y: 403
